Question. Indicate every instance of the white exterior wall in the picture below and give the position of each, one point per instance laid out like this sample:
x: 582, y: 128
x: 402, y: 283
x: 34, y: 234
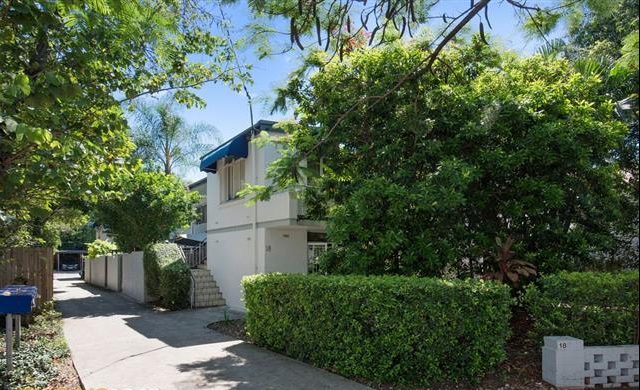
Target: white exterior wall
x: 282, y: 206
x: 230, y: 257
x: 286, y: 250
x: 133, y: 276
x: 113, y: 273
x: 244, y: 240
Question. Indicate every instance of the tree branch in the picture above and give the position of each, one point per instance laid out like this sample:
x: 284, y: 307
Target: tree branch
x: 417, y: 71
x: 185, y: 86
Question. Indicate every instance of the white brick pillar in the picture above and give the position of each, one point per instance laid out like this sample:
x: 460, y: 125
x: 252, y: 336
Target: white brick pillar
x: 563, y: 361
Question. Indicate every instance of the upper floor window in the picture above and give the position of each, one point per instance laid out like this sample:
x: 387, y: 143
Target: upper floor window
x: 232, y: 179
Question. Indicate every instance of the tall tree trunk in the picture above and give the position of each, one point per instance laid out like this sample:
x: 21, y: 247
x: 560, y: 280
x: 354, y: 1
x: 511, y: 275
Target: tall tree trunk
x: 167, y: 161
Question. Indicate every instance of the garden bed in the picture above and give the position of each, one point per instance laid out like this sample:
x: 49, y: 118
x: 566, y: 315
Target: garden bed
x: 521, y: 371
x: 43, y: 359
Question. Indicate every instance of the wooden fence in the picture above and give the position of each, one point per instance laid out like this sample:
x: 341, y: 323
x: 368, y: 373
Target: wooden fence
x: 34, y: 266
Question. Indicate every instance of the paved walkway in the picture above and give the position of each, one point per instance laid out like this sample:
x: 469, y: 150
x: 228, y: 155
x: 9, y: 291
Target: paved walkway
x: 118, y: 344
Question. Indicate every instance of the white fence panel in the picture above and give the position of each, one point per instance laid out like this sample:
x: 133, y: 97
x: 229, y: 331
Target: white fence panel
x: 113, y: 272
x: 87, y: 270
x: 133, y: 276
x: 98, y: 271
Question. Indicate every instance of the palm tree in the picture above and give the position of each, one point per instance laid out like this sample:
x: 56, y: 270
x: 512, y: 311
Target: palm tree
x: 165, y: 141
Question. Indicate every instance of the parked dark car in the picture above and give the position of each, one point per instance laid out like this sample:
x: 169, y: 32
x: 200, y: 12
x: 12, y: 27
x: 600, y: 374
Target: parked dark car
x: 70, y: 267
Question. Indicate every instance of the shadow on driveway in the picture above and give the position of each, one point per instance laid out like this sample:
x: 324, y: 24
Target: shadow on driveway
x: 118, y: 343
x: 249, y: 367
x: 78, y: 300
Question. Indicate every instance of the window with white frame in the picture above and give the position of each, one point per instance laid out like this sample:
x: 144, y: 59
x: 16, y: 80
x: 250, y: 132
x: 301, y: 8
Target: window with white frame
x: 232, y: 179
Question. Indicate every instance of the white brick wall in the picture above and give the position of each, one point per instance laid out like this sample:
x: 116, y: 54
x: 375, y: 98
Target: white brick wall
x: 566, y: 362
x: 611, y: 366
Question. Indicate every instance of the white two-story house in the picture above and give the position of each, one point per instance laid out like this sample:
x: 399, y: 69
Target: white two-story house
x: 271, y: 236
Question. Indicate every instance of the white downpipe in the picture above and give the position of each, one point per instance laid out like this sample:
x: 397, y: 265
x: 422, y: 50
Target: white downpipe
x: 255, y: 205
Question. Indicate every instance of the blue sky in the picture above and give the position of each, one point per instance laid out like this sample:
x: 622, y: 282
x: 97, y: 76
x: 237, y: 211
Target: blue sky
x: 228, y: 110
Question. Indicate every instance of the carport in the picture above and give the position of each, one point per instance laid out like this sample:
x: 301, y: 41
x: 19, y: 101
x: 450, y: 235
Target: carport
x: 69, y: 259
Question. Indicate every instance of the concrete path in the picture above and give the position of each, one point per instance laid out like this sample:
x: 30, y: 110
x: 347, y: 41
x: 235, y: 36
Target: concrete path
x: 118, y: 344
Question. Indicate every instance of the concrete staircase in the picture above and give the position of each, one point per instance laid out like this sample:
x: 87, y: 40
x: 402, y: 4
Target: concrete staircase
x: 207, y: 292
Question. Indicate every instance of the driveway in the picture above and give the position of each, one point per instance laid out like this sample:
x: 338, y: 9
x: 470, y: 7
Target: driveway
x: 119, y: 344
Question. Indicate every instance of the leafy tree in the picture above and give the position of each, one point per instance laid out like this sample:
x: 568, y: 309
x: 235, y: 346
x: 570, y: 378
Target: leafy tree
x: 66, y: 67
x: 153, y: 206
x: 64, y: 228
x: 165, y: 142
x: 78, y: 238
x: 68, y: 225
x: 602, y: 39
x: 486, y: 146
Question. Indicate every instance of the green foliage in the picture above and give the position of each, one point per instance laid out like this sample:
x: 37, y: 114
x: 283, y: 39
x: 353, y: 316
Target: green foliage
x: 77, y: 238
x: 67, y: 225
x: 165, y: 142
x: 577, y: 17
x: 43, y: 343
x: 174, y: 285
x: 100, y: 248
x: 600, y: 308
x: 66, y: 67
x: 487, y: 145
x: 393, y: 329
x: 154, y: 258
x: 610, y: 30
x: 602, y: 39
x: 153, y: 206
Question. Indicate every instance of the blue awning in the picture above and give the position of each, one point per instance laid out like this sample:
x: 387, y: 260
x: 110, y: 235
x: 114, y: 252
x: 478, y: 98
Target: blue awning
x: 237, y: 147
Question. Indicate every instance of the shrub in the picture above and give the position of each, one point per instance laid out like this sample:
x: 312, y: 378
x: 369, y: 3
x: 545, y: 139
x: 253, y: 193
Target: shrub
x: 599, y: 308
x: 156, y: 257
x: 393, y: 329
x: 175, y: 282
x: 100, y: 248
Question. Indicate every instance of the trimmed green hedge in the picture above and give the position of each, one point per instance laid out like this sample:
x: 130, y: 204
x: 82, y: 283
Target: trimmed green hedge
x: 175, y: 283
x: 390, y: 329
x: 599, y: 308
x: 166, y: 276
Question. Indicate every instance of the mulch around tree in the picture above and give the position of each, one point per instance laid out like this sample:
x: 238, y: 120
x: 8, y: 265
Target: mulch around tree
x: 232, y: 328
x: 521, y: 371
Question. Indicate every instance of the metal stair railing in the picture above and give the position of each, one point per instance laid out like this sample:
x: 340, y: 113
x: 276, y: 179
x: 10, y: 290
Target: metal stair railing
x: 195, y: 255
